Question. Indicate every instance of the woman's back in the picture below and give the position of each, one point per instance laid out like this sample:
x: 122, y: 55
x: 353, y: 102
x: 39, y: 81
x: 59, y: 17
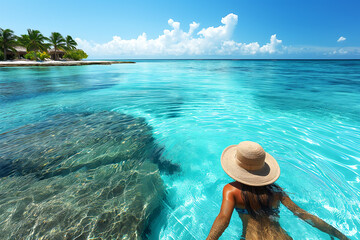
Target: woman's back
x: 263, y: 229
x: 257, y: 201
x: 258, y: 208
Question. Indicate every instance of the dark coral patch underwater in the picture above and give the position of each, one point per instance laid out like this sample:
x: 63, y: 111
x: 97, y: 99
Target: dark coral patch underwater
x: 79, y: 176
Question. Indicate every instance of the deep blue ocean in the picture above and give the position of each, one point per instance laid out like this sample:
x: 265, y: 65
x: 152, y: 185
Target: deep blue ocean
x: 106, y: 151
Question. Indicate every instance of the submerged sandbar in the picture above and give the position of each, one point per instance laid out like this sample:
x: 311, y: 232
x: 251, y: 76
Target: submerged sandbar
x: 57, y: 63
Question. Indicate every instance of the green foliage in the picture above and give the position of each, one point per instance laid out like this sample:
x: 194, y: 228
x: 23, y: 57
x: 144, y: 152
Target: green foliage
x: 39, y: 55
x: 30, y: 55
x: 7, y: 41
x: 23, y: 40
x: 35, y: 41
x: 43, y: 55
x: 57, y: 41
x: 76, y: 54
x: 70, y: 43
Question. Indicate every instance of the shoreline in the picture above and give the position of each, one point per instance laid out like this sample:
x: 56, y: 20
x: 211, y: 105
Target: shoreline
x: 57, y: 63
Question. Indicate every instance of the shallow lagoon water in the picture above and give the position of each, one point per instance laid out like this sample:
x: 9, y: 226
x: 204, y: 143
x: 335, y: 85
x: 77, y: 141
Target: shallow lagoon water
x: 305, y: 113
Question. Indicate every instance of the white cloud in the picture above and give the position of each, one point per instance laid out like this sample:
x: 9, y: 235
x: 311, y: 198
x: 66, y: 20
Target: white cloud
x: 222, y: 32
x: 341, y: 39
x: 209, y: 41
x: 320, y: 51
x: 272, y: 46
x: 339, y: 51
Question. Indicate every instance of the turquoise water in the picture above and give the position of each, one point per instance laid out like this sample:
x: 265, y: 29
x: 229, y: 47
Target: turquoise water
x: 305, y: 113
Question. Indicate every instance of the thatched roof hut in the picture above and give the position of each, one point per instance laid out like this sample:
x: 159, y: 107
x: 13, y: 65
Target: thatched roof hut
x: 20, y: 53
x: 52, y: 50
x: 20, y: 50
x: 59, y: 53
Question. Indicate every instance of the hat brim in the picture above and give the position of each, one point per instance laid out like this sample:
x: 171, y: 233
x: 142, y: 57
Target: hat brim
x: 264, y: 176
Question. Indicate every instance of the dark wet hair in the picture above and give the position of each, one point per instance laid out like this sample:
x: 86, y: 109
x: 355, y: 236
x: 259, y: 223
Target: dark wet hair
x: 259, y: 201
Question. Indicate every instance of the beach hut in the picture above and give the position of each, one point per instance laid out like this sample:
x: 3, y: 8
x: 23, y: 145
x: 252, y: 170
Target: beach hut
x: 20, y: 53
x: 59, y: 53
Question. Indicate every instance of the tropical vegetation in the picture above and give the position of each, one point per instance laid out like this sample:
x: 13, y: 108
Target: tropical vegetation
x: 7, y: 41
x: 37, y: 55
x: 36, y: 41
x: 70, y: 43
x: 57, y: 41
x: 76, y: 54
x: 38, y: 46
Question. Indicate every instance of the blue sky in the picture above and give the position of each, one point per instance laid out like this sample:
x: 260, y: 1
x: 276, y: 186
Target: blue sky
x: 111, y: 29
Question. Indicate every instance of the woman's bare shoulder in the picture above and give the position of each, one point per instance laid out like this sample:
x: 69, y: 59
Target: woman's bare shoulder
x: 234, y: 189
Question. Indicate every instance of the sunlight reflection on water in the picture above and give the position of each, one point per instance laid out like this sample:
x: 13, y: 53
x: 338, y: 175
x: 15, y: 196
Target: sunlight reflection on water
x: 294, y: 109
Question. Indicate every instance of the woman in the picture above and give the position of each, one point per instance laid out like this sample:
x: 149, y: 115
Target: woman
x: 255, y: 196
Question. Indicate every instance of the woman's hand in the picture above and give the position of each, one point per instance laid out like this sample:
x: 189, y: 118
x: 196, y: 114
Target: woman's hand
x: 311, y: 219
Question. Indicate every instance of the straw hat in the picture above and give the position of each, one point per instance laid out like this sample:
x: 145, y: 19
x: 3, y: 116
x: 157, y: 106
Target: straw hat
x: 248, y: 163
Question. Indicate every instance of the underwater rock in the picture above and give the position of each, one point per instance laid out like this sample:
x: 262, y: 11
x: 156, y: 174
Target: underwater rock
x: 110, y: 202
x: 68, y: 142
x: 80, y: 176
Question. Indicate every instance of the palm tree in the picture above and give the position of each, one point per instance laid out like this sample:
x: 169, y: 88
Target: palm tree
x: 23, y: 40
x: 70, y: 43
x: 7, y: 40
x: 57, y: 41
x: 35, y: 41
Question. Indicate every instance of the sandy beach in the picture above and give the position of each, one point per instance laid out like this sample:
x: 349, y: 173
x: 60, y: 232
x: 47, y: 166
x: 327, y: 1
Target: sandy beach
x: 57, y: 63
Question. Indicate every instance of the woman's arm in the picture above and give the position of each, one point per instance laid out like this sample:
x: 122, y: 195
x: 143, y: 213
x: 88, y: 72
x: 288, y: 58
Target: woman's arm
x: 223, y: 219
x: 311, y: 219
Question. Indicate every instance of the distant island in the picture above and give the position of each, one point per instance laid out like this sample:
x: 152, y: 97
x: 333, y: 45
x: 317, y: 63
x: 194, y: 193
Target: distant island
x: 34, y: 49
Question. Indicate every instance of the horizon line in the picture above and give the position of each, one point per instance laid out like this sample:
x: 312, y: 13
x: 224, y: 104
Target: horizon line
x: 234, y: 59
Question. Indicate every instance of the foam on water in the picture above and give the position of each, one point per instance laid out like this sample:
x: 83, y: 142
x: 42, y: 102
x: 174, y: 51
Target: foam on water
x: 305, y: 113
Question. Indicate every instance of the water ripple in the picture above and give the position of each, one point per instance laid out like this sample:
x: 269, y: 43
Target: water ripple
x: 305, y: 113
